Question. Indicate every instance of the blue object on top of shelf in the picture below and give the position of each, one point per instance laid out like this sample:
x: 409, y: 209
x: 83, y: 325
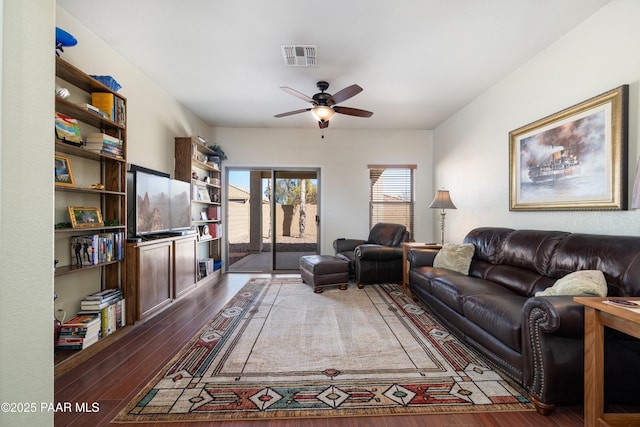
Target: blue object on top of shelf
x: 108, y: 81
x: 64, y: 39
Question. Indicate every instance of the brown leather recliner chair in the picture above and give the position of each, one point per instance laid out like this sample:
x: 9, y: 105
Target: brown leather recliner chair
x: 377, y: 259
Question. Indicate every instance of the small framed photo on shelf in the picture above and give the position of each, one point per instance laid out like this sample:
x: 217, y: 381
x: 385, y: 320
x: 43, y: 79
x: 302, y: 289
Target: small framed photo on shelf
x: 85, y: 217
x: 62, y: 173
x: 203, y: 216
x: 203, y: 194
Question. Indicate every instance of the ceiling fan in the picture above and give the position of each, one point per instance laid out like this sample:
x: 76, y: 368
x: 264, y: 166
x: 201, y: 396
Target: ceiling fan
x: 324, y: 104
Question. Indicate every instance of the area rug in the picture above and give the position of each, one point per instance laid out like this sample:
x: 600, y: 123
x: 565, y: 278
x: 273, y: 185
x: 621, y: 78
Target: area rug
x: 277, y: 350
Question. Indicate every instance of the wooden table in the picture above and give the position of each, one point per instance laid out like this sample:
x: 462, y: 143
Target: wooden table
x: 597, y: 315
x: 405, y: 264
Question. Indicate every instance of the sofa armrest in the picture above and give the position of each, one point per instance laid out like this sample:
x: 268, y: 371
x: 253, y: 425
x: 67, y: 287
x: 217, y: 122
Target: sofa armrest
x: 554, y: 315
x: 421, y: 257
x: 553, y: 348
x: 378, y: 252
x: 346, y: 245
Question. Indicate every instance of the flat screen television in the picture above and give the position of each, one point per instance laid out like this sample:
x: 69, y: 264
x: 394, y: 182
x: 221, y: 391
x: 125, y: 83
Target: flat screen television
x: 157, y: 203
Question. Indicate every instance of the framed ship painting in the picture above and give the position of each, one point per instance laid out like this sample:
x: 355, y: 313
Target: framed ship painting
x: 575, y: 159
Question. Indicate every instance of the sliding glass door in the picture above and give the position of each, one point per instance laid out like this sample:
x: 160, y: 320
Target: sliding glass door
x: 272, y: 218
x: 295, y: 215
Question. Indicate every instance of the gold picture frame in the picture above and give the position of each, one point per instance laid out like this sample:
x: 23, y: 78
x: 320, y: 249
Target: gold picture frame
x: 62, y: 172
x: 85, y: 217
x: 575, y: 159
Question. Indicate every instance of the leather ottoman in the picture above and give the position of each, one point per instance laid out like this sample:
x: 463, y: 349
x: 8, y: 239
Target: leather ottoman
x: 321, y: 271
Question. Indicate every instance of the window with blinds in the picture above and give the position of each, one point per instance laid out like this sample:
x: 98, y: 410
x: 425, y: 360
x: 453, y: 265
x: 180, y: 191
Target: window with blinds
x: 392, y: 194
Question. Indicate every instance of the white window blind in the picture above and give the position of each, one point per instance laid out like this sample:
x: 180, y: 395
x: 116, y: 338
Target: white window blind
x: 392, y: 194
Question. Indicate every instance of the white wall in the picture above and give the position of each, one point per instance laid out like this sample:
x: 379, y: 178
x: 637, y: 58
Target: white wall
x: 26, y: 220
x: 471, y: 149
x: 343, y: 156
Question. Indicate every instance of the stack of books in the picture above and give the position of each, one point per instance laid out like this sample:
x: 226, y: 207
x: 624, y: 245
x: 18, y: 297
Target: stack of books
x: 109, y: 306
x: 104, y: 144
x: 79, y: 332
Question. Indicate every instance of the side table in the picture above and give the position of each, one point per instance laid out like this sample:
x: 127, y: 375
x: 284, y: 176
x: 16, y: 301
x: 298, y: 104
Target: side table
x: 597, y: 315
x: 405, y: 264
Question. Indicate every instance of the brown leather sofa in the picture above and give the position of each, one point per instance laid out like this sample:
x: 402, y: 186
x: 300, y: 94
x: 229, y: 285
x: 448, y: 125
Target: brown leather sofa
x: 537, y: 341
x: 377, y: 259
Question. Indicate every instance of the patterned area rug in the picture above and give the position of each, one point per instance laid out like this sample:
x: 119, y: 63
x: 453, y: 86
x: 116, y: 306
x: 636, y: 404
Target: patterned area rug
x: 277, y: 350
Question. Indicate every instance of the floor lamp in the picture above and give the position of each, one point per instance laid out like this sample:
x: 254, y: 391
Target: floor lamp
x: 442, y: 201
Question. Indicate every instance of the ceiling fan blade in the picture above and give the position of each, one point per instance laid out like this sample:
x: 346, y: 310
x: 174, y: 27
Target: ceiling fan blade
x: 352, y: 111
x: 290, y: 113
x: 297, y: 94
x: 323, y: 124
x: 344, y: 94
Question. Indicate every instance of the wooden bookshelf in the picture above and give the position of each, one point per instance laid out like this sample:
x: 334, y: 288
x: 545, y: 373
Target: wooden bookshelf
x: 199, y: 165
x: 92, y: 168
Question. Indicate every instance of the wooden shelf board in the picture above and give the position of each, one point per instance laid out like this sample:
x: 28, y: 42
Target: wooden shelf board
x: 63, y: 147
x: 90, y: 230
x: 70, y: 269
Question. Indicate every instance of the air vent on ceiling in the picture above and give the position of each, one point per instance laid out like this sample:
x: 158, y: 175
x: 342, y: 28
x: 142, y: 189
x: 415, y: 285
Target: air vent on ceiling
x: 300, y: 55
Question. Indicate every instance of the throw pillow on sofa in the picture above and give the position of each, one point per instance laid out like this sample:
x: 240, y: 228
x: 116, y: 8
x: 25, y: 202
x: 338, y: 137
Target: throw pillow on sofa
x: 455, y: 257
x: 588, y: 283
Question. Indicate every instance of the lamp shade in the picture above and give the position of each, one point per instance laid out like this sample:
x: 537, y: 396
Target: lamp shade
x: 322, y: 112
x: 442, y: 200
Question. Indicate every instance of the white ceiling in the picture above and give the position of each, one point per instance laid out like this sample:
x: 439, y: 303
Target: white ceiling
x: 418, y: 61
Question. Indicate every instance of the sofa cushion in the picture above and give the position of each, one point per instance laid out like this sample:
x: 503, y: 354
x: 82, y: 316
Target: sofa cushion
x: 488, y: 242
x: 531, y: 249
x: 455, y: 257
x: 519, y: 280
x: 451, y: 288
x: 590, y: 283
x: 499, y: 315
x: 616, y: 256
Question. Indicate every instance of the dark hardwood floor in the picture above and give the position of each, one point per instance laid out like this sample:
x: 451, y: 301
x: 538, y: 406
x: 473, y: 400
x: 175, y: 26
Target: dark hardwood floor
x: 113, y: 377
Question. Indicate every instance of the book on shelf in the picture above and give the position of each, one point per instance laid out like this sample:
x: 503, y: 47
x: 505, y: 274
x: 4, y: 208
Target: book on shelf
x: 104, y: 144
x: 76, y: 343
x: 205, y: 267
x: 103, y: 295
x: 113, y: 317
x: 213, y: 212
x: 89, y: 107
x: 103, y: 138
x: 215, y: 230
x: 93, y: 249
x: 112, y: 105
x: 79, y: 332
x: 67, y: 129
x: 89, y: 306
x: 112, y: 313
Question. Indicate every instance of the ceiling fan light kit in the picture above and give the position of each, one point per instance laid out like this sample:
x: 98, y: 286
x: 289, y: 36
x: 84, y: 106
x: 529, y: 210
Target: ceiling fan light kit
x: 322, y: 112
x: 323, y: 103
